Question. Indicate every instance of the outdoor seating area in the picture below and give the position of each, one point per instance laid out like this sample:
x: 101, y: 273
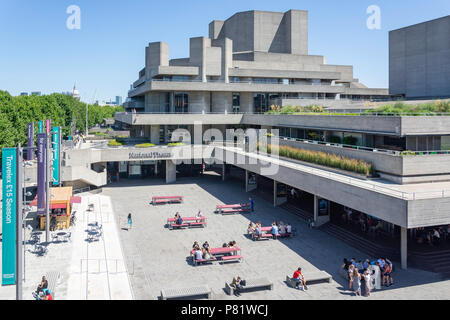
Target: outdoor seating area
x: 233, y: 208
x: 94, y: 231
x: 168, y: 199
x: 250, y: 284
x: 311, y: 277
x: 186, y: 292
x: 276, y: 230
x: 187, y: 222
x: 227, y: 253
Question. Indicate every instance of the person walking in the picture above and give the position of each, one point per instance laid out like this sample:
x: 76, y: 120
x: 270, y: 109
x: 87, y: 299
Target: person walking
x: 252, y: 204
x: 130, y: 221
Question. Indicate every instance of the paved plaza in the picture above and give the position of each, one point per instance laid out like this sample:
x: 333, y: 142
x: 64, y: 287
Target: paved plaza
x: 138, y: 263
x: 160, y: 257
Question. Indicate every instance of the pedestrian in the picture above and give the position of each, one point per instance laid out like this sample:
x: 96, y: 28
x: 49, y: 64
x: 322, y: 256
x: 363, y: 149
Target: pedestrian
x: 130, y: 221
x: 274, y: 231
x: 367, y: 283
x: 252, y: 204
x: 356, y: 282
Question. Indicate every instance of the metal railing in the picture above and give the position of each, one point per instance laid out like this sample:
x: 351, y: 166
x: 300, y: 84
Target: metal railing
x: 442, y: 193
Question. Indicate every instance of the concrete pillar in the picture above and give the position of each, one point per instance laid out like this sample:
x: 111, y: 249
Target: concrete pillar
x: 223, y: 171
x: 316, y: 208
x: 154, y: 134
x: 249, y: 187
x: 404, y: 247
x: 156, y: 168
x: 171, y: 171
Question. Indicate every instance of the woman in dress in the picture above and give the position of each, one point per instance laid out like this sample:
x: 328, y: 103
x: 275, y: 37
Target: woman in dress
x: 356, y: 282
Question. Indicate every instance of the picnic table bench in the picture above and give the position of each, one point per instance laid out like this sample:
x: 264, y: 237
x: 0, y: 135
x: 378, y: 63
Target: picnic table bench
x: 187, y: 222
x: 219, y: 255
x: 185, y: 292
x: 267, y: 234
x: 260, y: 283
x: 314, y: 277
x: 169, y: 199
x: 233, y: 208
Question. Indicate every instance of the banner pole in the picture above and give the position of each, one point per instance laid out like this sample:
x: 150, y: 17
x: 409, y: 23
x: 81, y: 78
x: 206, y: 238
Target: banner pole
x: 19, y: 222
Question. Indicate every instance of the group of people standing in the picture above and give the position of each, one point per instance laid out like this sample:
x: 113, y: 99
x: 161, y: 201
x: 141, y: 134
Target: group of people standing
x: 364, y: 276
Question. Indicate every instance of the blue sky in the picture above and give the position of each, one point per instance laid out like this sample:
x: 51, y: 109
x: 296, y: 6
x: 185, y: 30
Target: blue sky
x: 38, y: 52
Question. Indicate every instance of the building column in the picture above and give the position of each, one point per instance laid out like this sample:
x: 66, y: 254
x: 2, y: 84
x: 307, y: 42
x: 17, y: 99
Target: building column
x: 316, y: 208
x: 223, y: 171
x: 171, y: 171
x: 154, y: 134
x: 404, y: 247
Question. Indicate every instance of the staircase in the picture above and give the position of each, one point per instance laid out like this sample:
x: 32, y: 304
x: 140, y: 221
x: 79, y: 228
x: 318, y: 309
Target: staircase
x: 436, y: 261
x: 373, y: 249
x: 302, y: 214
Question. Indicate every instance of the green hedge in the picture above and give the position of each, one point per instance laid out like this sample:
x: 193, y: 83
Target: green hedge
x: 325, y: 159
x: 114, y: 143
x: 144, y: 145
x: 413, y: 110
x: 174, y: 144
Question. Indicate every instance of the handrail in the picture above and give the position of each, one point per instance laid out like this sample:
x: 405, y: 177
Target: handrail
x: 442, y: 193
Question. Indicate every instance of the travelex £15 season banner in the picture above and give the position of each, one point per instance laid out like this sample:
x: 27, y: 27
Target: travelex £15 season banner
x: 9, y: 208
x: 56, y: 139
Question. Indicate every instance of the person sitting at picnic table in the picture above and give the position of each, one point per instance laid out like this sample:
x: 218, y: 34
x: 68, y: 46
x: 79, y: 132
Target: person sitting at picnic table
x: 282, y: 228
x: 178, y: 218
x: 236, y: 284
x: 299, y: 279
x: 43, y: 285
x: 206, y: 254
x: 199, y: 215
x: 258, y: 231
x: 198, y: 255
x: 288, y: 228
x: 274, y: 230
x: 251, y: 228
x: 195, y: 246
x: 206, y: 245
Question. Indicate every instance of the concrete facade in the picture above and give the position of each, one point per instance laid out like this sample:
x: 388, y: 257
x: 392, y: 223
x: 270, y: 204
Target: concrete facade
x: 419, y: 60
x: 254, y: 52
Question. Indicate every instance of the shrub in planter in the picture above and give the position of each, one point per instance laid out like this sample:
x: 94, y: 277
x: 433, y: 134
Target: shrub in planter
x: 174, y: 144
x: 144, y: 145
x: 114, y: 143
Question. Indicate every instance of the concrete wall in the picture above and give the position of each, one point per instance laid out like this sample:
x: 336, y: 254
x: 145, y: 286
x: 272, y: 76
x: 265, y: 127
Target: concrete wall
x: 419, y: 59
x: 222, y: 101
x: 199, y: 102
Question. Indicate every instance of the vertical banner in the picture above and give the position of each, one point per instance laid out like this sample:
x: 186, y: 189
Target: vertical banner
x: 30, y: 133
x: 48, y: 127
x: 56, y: 140
x: 41, y: 155
x: 9, y: 211
x: 41, y: 127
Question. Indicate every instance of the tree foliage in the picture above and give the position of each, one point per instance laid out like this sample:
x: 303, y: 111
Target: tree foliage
x: 17, y: 112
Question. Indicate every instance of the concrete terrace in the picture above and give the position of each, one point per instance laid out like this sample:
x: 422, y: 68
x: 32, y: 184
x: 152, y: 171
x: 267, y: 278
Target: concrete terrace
x: 161, y: 257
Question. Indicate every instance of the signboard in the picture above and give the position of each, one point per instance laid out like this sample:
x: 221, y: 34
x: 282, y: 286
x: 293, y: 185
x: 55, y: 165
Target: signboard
x: 30, y: 134
x: 149, y: 155
x: 48, y: 126
x: 9, y: 211
x: 56, y: 139
x: 41, y: 155
x: 41, y: 127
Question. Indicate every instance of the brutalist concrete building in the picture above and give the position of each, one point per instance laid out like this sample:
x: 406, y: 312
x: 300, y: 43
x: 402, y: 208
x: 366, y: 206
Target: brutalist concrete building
x: 419, y: 60
x: 249, y: 62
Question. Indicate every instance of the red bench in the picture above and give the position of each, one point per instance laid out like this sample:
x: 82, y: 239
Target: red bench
x: 187, y: 222
x: 171, y: 199
x: 233, y: 208
x: 232, y: 258
x: 266, y: 234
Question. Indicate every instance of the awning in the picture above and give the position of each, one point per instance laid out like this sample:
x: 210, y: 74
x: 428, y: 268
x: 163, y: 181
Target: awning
x: 58, y: 205
x: 75, y: 200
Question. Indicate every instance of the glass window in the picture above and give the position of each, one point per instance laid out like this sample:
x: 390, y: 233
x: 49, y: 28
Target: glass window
x: 181, y: 102
x: 236, y: 102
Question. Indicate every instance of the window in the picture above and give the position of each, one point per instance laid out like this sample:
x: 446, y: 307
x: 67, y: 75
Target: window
x: 181, y: 102
x: 236, y: 102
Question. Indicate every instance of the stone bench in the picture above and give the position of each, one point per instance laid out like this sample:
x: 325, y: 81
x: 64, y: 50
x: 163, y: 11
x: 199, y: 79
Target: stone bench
x: 185, y: 292
x: 261, y: 283
x: 311, y: 277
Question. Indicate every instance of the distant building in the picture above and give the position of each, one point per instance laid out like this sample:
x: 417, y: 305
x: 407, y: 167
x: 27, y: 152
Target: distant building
x: 24, y: 93
x: 118, y: 100
x: 76, y: 93
x: 36, y: 93
x: 419, y: 60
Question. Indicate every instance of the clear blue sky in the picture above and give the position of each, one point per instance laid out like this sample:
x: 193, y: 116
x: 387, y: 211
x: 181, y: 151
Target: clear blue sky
x: 38, y: 52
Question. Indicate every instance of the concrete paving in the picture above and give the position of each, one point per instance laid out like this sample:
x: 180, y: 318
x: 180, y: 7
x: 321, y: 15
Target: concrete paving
x: 160, y: 257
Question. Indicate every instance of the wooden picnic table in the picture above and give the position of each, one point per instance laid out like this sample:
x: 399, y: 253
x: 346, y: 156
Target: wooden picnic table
x: 187, y: 219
